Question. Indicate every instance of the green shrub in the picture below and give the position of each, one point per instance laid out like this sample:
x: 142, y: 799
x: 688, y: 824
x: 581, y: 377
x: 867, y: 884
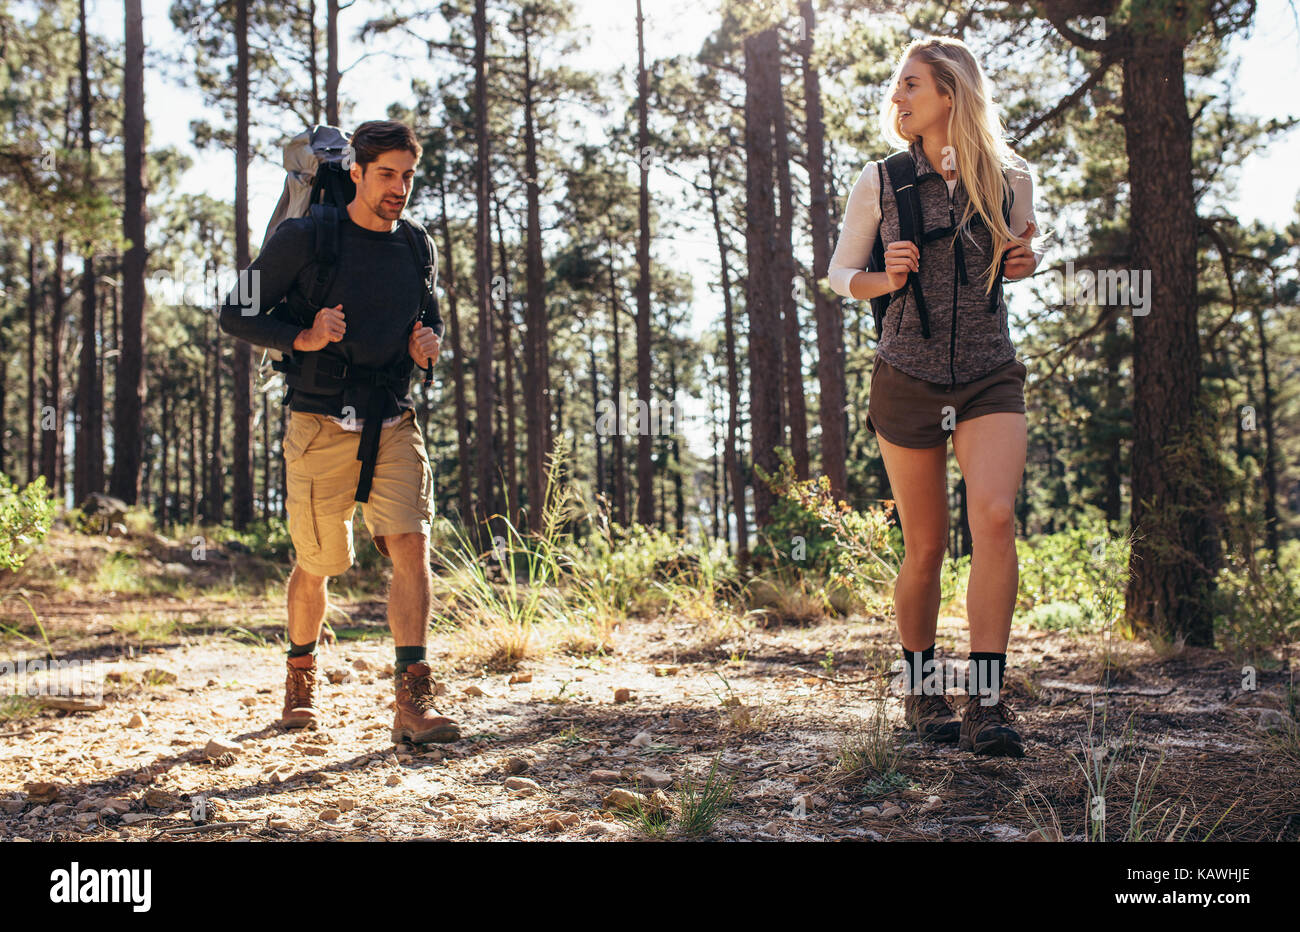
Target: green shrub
x: 1057, y: 616
x: 1256, y: 603
x: 1085, y: 565
x: 25, y: 518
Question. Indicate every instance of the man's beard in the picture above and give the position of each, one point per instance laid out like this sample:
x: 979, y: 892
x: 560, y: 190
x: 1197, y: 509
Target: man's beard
x: 389, y: 211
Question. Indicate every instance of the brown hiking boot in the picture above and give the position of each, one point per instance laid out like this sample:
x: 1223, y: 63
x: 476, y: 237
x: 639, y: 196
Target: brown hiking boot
x: 930, y: 716
x: 299, y: 692
x: 986, y: 729
x: 415, y: 719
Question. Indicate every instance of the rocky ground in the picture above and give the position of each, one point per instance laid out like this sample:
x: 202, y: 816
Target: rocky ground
x: 185, y: 745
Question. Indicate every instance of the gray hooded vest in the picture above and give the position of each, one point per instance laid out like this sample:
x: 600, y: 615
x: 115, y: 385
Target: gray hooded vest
x: 969, y: 336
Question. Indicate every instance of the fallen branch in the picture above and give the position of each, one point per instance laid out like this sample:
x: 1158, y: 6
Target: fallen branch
x: 195, y: 829
x: 1092, y: 689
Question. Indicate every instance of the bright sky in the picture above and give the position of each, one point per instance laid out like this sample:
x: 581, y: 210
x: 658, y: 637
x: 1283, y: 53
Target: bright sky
x: 1270, y: 72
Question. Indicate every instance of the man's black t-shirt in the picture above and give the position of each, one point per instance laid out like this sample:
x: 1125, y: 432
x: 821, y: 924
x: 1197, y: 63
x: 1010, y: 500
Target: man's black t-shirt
x: 378, y: 283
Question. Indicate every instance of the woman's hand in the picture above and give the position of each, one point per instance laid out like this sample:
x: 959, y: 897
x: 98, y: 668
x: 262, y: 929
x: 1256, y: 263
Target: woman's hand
x: 901, y: 257
x: 1021, y: 260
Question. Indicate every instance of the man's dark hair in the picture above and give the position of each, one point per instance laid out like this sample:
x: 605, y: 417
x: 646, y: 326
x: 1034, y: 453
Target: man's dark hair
x: 375, y: 137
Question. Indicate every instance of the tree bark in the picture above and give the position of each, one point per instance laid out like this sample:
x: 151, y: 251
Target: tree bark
x: 760, y: 228
x: 242, y: 452
x: 832, y: 403
x: 129, y: 388
x: 1174, y: 562
x: 644, y: 450
x: 457, y: 364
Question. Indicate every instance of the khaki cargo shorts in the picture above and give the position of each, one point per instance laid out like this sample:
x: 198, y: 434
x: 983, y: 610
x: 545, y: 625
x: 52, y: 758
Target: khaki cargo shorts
x: 911, y: 412
x: 321, y: 471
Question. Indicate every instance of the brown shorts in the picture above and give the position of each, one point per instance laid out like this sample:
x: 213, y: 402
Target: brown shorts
x: 321, y: 470
x: 910, y: 412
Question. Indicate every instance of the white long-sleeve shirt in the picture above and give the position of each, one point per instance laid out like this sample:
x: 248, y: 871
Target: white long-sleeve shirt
x: 862, y: 221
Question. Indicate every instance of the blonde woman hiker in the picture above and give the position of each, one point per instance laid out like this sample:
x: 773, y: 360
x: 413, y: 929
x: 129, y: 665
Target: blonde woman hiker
x: 346, y: 294
x: 946, y: 220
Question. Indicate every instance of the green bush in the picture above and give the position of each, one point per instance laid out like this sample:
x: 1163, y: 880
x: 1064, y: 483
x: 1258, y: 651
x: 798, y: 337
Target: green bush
x: 1256, y: 603
x: 1057, y: 616
x: 1085, y: 565
x: 25, y: 518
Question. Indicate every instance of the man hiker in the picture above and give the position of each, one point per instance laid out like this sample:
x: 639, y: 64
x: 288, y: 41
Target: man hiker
x: 350, y: 292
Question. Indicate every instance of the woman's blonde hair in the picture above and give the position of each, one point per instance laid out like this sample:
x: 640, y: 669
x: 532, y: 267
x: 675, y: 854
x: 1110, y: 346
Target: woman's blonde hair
x: 975, y: 134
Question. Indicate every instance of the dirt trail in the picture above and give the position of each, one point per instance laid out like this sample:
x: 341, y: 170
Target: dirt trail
x: 771, y: 705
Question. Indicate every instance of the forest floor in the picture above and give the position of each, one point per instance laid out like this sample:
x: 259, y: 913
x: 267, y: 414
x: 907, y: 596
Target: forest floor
x: 544, y: 745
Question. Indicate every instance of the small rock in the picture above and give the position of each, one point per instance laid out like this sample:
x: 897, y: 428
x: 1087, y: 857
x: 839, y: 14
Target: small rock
x: 665, y: 670
x: 604, y: 776
x: 802, y: 778
x: 515, y: 765
x: 338, y: 677
x: 622, y: 694
x: 360, y: 664
x: 890, y: 812
x: 931, y: 803
x: 642, y: 740
x: 42, y: 792
x: 346, y: 804
x: 655, y: 778
x: 870, y: 812
x: 473, y: 690
x: 12, y: 806
x: 72, y: 703
x: 248, y: 702
x: 623, y: 799
x: 156, y: 798
x: 600, y: 828
x: 329, y: 815
x: 522, y: 786
x: 118, y: 805
x: 219, y: 747
x: 771, y: 828
x: 520, y: 678
x: 1044, y: 834
x: 136, y: 721
x: 394, y: 780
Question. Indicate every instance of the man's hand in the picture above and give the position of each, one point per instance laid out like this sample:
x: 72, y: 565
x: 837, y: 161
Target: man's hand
x: 1021, y: 260
x: 424, y: 345
x: 328, y: 327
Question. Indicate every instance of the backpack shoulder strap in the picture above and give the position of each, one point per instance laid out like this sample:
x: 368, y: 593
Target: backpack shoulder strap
x: 326, y: 223
x: 902, y: 175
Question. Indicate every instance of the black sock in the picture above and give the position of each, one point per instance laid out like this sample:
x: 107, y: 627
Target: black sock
x: 984, y: 674
x: 407, y: 656
x: 299, y: 650
x: 916, y: 667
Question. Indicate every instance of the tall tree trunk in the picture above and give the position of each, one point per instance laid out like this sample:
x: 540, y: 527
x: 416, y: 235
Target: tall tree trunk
x: 508, y: 361
x: 129, y: 388
x: 761, y: 55
x: 88, y: 474
x: 457, y: 364
x: 216, y: 507
x: 34, y: 297
x: 832, y: 403
x: 241, y: 438
x: 536, y: 376
x: 620, y: 461
x: 731, y: 456
x: 1270, y: 440
x: 52, y: 415
x: 1113, y: 468
x: 1169, y: 588
x: 312, y: 56
x: 598, y: 481
x: 795, y: 407
x: 485, y: 389
x: 331, y: 63
x: 644, y: 457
